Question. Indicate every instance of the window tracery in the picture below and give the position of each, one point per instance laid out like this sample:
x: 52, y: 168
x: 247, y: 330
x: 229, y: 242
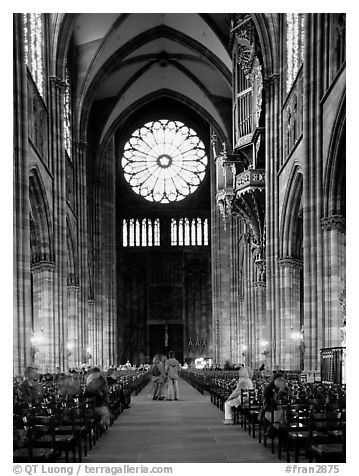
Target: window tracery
x: 164, y: 161
x: 67, y: 112
x: 189, y: 231
x: 34, y: 47
x: 295, y: 43
x: 140, y: 232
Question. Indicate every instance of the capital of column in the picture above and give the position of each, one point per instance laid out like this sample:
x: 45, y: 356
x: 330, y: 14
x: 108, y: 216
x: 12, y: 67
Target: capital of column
x: 333, y: 222
x: 289, y: 262
x: 270, y: 80
x: 57, y: 82
x: 258, y: 284
x: 80, y: 143
x: 73, y: 287
x: 43, y: 266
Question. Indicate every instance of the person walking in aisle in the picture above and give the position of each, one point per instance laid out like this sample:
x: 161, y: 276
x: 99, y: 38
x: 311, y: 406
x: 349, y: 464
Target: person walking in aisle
x: 172, y: 371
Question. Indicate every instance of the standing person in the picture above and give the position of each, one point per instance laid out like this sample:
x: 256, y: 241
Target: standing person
x: 172, y: 371
x: 159, y: 377
x: 234, y: 400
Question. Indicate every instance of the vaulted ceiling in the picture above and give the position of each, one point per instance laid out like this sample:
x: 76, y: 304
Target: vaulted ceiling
x: 122, y: 59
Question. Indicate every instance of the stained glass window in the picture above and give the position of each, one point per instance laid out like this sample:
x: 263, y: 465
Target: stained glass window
x: 295, y: 42
x: 164, y: 161
x: 67, y: 111
x: 189, y: 231
x: 140, y: 232
x: 33, y: 47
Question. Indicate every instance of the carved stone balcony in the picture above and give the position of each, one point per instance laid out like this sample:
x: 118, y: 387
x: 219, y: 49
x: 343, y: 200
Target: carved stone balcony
x: 250, y: 180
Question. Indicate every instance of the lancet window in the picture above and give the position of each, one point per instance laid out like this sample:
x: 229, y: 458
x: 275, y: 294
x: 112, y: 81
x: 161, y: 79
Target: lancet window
x: 34, y: 47
x: 140, y: 232
x: 189, y: 231
x: 68, y: 112
x: 295, y: 45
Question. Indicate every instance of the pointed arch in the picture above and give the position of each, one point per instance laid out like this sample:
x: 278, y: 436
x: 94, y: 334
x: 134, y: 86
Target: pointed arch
x: 335, y: 173
x: 40, y: 221
x: 268, y: 29
x: 292, y: 217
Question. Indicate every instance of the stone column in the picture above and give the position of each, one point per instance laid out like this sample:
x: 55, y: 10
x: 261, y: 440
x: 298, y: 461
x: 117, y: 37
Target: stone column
x: 93, y: 344
x: 272, y: 127
x: 21, y: 223
x: 262, y: 336
x: 221, y: 278
x: 73, y: 328
x: 290, y: 269
x: 45, y: 332
x: 81, y: 153
x: 313, y: 69
x: 57, y: 88
x: 334, y: 280
x: 105, y: 252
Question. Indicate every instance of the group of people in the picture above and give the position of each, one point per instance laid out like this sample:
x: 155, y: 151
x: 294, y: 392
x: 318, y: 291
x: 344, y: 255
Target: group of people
x: 273, y: 394
x: 31, y: 390
x: 165, y: 373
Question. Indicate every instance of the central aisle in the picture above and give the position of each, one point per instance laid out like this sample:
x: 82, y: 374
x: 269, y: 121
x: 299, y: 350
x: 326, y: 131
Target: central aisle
x: 186, y: 431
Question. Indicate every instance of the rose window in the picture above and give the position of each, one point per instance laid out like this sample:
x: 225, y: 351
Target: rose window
x: 164, y: 161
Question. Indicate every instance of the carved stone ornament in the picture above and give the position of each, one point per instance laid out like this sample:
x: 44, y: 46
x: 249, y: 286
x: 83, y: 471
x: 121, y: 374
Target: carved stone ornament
x: 257, y: 82
x: 342, y: 302
x: 244, y: 30
x: 259, y: 284
x: 289, y: 262
x: 224, y: 203
x: 43, y: 266
x: 333, y: 222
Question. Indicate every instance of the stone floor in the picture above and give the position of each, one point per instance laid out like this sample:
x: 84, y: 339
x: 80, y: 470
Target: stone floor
x: 186, y: 431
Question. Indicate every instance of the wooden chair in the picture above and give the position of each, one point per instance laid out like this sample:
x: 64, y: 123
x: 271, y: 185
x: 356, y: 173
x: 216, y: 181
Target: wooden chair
x: 25, y: 452
x: 254, y: 406
x: 297, y: 422
x: 332, y: 446
x: 274, y: 427
x: 44, y: 436
x: 65, y: 425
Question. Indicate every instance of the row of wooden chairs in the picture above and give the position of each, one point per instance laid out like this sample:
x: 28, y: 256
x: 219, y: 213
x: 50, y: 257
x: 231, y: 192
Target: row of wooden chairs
x: 315, y: 421
x: 315, y: 431
x: 63, y: 428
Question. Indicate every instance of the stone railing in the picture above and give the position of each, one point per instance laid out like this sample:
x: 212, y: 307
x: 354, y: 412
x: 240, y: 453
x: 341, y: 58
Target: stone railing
x: 250, y: 179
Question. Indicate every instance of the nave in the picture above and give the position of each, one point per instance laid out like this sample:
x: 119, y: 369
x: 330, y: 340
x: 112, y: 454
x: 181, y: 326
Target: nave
x: 187, y: 431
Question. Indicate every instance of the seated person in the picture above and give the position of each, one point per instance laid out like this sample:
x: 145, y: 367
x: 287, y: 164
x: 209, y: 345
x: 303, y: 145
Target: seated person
x: 234, y: 400
x: 275, y: 394
x: 29, y: 391
x: 96, y: 386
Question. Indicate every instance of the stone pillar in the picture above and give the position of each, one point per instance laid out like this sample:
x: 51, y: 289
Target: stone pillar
x: 221, y: 277
x: 57, y: 88
x: 313, y: 73
x: 45, y: 332
x: 73, y: 328
x: 290, y: 269
x: 272, y: 146
x: 81, y: 153
x: 334, y: 278
x: 105, y: 252
x: 93, y: 345
x: 262, y: 350
x: 21, y: 223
